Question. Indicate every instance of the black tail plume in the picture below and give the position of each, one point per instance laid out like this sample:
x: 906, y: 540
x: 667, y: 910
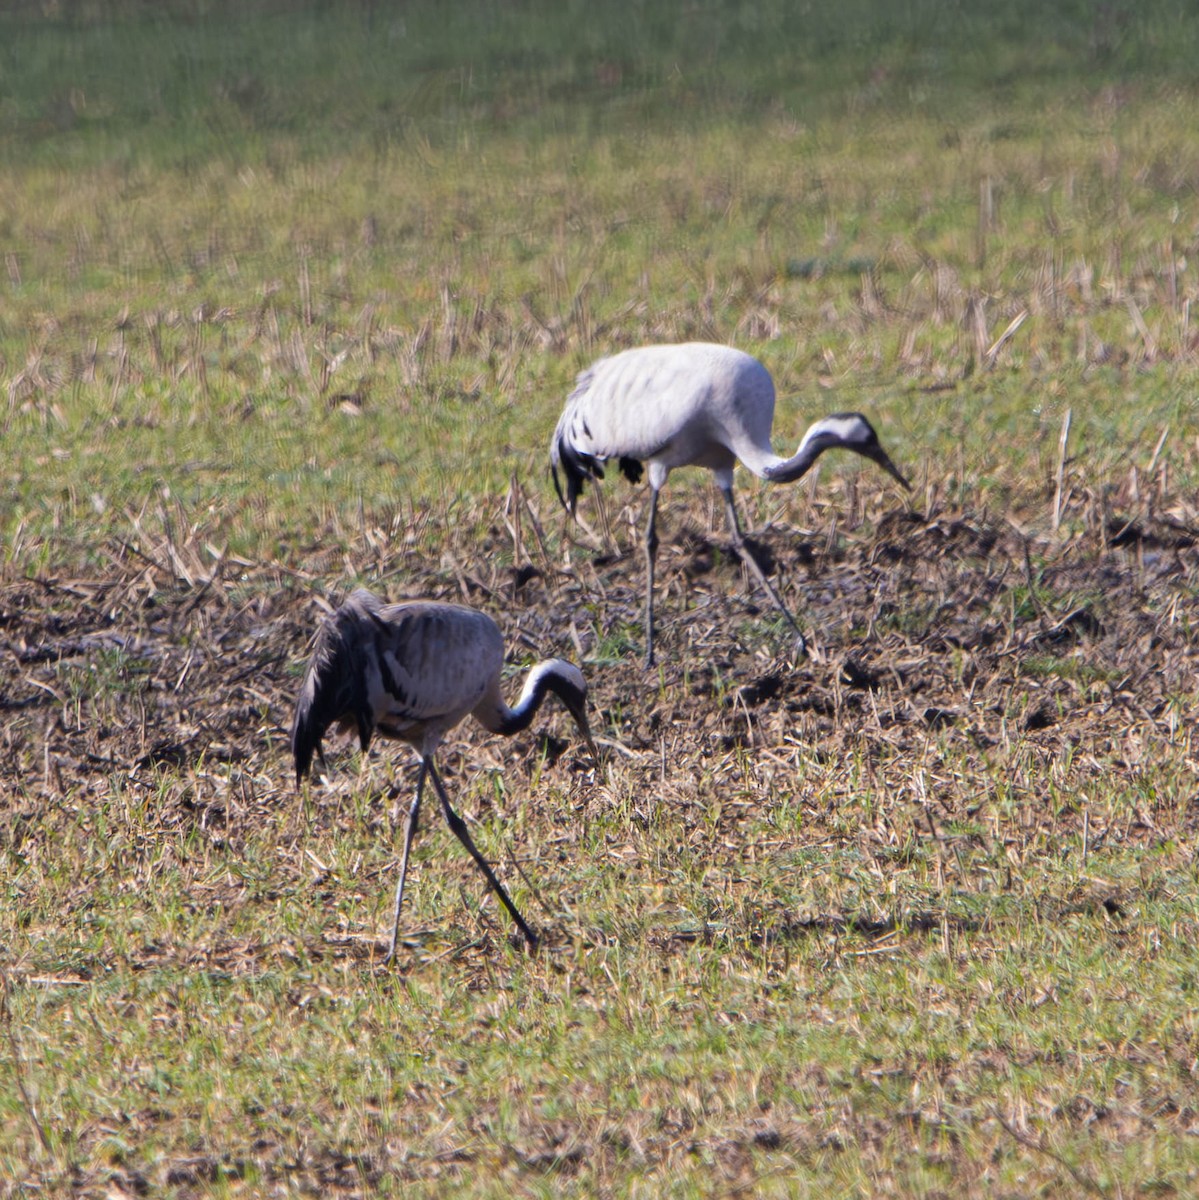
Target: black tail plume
x: 577, y: 468
x: 334, y: 687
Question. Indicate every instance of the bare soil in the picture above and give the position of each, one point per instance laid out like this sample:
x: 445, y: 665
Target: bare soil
x: 951, y: 622
x: 949, y: 629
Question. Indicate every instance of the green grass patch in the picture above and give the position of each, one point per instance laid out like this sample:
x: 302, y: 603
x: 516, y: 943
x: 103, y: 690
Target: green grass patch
x: 292, y: 296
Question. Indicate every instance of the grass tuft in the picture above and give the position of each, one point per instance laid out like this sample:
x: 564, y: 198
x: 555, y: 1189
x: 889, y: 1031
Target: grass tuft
x: 292, y: 297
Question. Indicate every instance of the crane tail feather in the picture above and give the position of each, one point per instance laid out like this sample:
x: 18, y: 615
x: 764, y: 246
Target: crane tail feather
x: 558, y: 488
x: 305, y: 744
x: 577, y: 467
x: 631, y: 469
x: 333, y: 686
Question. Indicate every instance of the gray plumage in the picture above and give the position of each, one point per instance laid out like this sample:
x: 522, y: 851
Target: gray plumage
x: 412, y: 672
x: 695, y: 404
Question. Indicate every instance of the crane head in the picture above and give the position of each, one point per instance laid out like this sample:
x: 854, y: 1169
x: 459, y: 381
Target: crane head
x: 566, y: 681
x: 848, y: 431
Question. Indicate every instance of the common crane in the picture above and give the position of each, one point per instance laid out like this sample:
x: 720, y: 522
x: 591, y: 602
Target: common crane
x: 412, y: 671
x: 695, y: 404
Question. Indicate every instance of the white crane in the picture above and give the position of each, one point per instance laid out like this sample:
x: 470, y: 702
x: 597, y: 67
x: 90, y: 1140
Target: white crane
x: 412, y: 672
x: 695, y: 404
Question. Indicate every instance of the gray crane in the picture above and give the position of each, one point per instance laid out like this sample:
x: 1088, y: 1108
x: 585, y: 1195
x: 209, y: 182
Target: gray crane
x: 412, y: 671
x: 694, y: 404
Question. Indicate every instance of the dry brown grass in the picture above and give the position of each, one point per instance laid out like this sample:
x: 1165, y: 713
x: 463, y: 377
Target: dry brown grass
x: 917, y: 918
x: 998, y: 745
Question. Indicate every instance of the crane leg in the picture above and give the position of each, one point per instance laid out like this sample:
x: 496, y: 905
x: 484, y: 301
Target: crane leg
x: 409, y: 829
x: 748, y: 558
x: 651, y: 554
x: 457, y: 824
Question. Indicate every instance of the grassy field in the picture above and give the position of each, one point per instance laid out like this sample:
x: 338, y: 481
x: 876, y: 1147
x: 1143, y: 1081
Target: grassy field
x: 290, y: 298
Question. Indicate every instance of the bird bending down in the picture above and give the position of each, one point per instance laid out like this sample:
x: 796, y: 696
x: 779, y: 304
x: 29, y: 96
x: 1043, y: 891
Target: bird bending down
x: 695, y: 404
x: 412, y: 672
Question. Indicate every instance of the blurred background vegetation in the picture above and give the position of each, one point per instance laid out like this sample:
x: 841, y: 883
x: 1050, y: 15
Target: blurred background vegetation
x: 229, y: 231
x: 176, y: 83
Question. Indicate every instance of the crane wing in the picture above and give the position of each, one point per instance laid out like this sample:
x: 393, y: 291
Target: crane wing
x: 434, y: 662
x: 400, y: 669
x: 630, y: 407
x: 693, y: 403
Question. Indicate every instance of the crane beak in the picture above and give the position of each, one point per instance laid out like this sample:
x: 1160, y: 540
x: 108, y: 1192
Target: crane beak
x: 880, y: 456
x: 591, y: 743
x: 580, y: 716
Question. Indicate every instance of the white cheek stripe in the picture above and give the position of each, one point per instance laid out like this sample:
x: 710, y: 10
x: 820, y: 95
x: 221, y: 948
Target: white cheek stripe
x: 843, y: 428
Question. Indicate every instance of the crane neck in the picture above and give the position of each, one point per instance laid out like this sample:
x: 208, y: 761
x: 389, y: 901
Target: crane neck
x: 847, y: 431
x: 765, y: 464
x: 554, y: 675
x: 787, y: 470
